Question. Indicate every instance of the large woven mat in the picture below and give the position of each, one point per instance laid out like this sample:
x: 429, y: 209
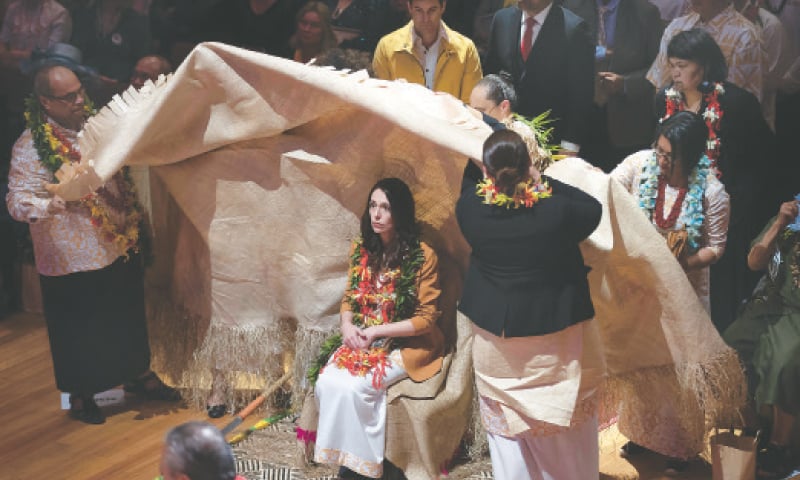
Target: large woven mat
x: 272, y: 454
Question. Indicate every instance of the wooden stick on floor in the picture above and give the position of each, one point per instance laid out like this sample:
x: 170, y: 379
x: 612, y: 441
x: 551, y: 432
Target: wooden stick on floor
x: 250, y: 408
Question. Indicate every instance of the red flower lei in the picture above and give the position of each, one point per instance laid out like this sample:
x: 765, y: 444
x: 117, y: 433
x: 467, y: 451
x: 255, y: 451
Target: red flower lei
x: 376, y: 301
x: 377, y: 306
x: 658, y: 213
x: 712, y: 115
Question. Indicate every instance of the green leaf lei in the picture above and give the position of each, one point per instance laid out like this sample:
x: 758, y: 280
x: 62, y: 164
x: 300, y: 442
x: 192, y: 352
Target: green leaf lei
x: 405, y: 300
x: 542, y: 129
x: 36, y: 121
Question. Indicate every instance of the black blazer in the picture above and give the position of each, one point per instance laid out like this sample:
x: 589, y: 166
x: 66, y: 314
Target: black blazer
x: 559, y: 73
x: 526, y: 274
x: 637, y: 39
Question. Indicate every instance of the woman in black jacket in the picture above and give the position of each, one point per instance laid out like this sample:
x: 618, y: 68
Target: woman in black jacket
x: 527, y: 295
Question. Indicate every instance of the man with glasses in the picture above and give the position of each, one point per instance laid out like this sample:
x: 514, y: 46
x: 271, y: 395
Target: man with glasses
x: 86, y: 253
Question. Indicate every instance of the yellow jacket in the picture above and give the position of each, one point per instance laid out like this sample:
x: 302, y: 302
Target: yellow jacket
x: 458, y: 68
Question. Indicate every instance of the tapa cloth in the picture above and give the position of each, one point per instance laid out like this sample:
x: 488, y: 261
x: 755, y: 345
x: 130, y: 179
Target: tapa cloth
x: 538, y: 385
x: 267, y: 164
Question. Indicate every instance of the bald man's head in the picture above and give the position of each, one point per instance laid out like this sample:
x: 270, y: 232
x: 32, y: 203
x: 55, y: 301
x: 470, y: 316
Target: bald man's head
x: 61, y: 96
x: 149, y: 68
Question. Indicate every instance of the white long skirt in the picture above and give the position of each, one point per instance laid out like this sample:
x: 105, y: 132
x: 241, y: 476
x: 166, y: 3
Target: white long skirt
x: 352, y: 418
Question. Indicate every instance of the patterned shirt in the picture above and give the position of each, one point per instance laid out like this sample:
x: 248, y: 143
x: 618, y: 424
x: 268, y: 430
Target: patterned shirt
x: 736, y: 36
x: 63, y: 242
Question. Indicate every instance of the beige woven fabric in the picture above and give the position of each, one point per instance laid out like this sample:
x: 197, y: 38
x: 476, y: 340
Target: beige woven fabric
x: 261, y: 170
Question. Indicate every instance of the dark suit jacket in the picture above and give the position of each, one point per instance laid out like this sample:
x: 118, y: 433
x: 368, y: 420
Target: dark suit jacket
x: 637, y: 38
x: 526, y: 274
x: 559, y: 73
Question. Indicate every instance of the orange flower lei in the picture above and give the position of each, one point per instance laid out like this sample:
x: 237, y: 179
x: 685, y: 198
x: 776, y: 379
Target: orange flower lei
x: 526, y: 194
x: 391, y: 297
x: 55, y: 149
x: 376, y: 302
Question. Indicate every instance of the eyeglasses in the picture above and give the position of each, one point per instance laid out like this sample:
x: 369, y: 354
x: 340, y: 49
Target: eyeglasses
x: 69, y: 98
x: 662, y: 154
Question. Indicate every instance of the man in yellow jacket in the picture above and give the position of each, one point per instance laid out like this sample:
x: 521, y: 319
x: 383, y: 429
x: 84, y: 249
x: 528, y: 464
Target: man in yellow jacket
x: 427, y: 52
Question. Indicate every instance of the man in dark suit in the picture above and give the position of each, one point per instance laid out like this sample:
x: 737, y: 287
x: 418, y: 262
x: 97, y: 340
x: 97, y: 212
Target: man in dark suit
x: 549, y: 53
x: 627, y: 42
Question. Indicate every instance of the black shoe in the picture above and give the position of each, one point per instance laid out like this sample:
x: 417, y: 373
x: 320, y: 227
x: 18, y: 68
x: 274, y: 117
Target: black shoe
x: 84, y: 409
x: 676, y: 467
x: 631, y: 449
x: 216, y: 411
x: 152, y: 388
x: 773, y: 462
x: 347, y: 474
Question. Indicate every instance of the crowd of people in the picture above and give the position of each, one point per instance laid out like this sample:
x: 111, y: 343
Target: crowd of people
x: 687, y: 104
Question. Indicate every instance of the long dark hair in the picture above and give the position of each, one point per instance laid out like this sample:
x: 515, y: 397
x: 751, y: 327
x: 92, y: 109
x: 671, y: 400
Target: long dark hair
x: 698, y: 46
x: 506, y: 159
x: 687, y: 134
x: 401, y: 202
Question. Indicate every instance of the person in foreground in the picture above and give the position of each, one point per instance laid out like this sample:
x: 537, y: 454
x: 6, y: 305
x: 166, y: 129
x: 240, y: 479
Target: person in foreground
x: 537, y: 365
x: 86, y: 253
x: 389, y: 331
x: 197, y: 451
x: 675, y: 186
x: 767, y: 337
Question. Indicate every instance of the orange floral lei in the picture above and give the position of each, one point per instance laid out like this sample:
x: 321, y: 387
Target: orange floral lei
x: 526, y: 194
x: 55, y: 149
x: 377, y: 301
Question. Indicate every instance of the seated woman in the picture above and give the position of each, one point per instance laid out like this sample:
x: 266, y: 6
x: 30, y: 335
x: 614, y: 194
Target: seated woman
x: 314, y: 34
x: 388, y: 331
x: 676, y: 188
x: 537, y: 365
x: 767, y: 336
x: 494, y: 95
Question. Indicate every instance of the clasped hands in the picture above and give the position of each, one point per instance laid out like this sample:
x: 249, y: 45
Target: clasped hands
x: 613, y: 83
x: 787, y: 213
x: 357, y: 338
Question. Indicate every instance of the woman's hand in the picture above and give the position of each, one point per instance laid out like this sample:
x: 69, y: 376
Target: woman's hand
x: 369, y: 335
x: 787, y: 213
x: 351, y: 336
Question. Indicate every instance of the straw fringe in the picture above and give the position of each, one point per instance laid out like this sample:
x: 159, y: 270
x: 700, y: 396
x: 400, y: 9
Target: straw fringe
x: 307, y: 345
x: 712, y: 392
x: 189, y: 351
